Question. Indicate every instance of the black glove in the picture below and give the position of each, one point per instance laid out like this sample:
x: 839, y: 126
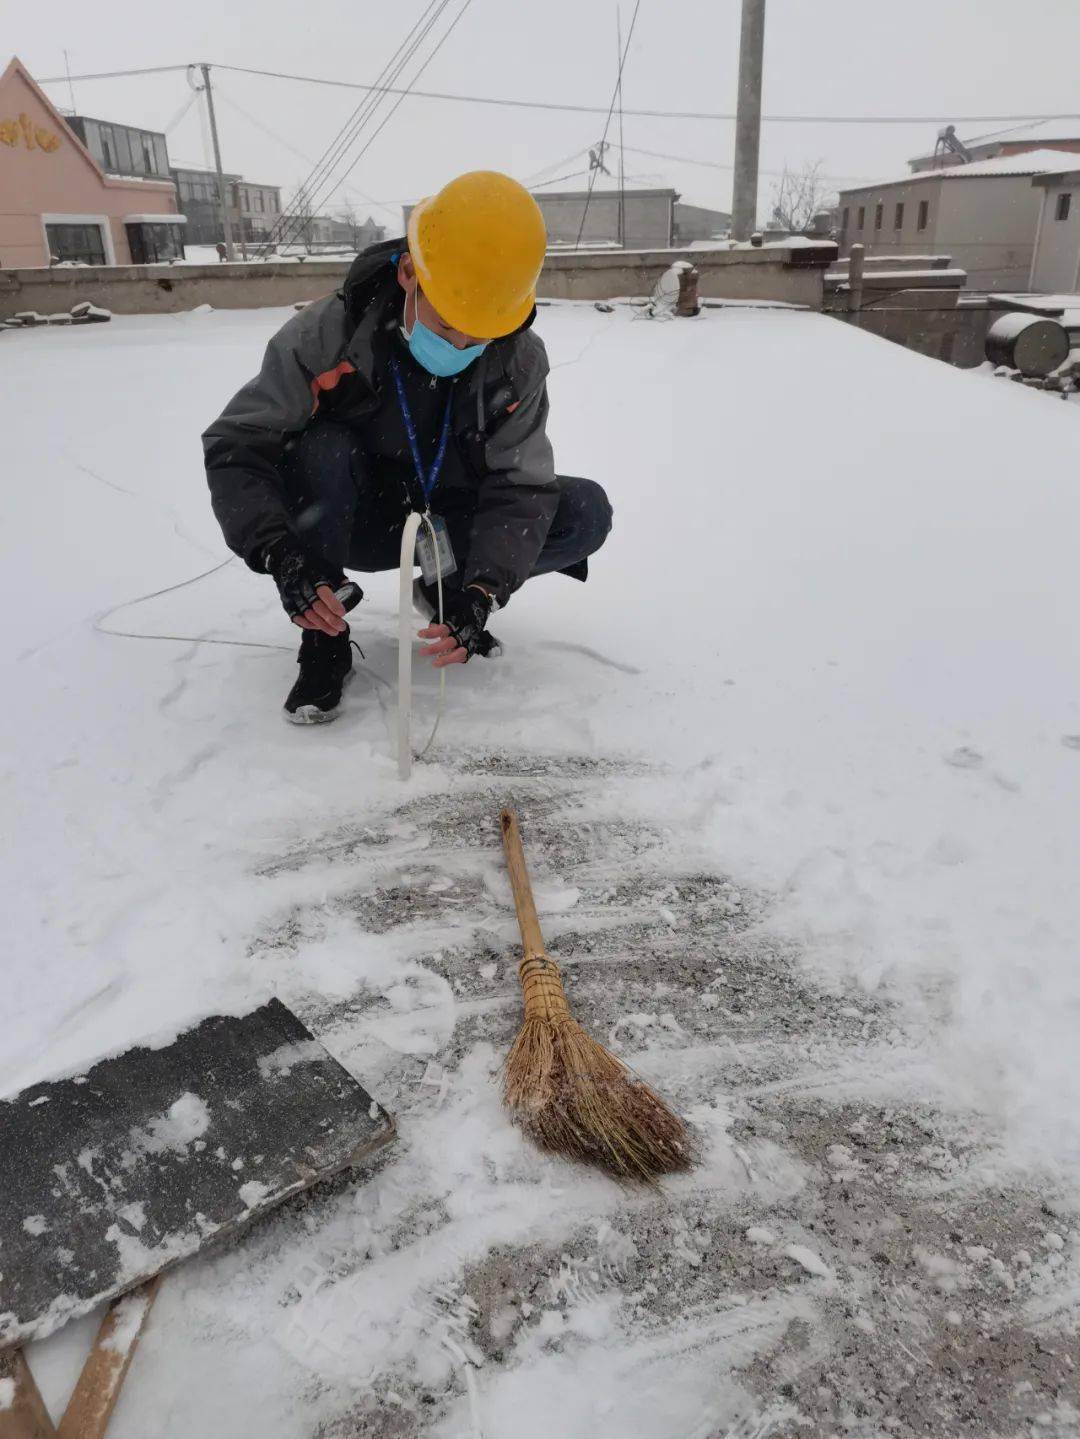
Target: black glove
x: 298, y: 573
x: 466, y: 612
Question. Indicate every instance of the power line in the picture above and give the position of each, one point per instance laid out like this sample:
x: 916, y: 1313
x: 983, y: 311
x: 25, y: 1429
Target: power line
x: 573, y: 175
x: 719, y: 165
x: 112, y: 74
x: 594, y: 171
x: 314, y: 188
x: 778, y: 119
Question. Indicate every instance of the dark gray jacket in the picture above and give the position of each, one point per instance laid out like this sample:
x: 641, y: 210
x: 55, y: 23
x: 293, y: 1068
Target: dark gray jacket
x: 331, y: 359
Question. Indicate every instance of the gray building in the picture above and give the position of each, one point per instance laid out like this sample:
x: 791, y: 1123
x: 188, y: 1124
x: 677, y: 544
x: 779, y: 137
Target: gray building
x: 1055, y: 266
x: 123, y: 149
x: 253, y: 209
x: 645, y: 220
x: 984, y: 215
x: 695, y: 223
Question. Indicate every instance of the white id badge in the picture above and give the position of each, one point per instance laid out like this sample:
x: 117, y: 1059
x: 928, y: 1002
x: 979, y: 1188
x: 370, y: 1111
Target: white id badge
x: 425, y: 550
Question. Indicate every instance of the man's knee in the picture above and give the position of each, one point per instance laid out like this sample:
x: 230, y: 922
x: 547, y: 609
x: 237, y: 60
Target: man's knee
x: 588, y: 511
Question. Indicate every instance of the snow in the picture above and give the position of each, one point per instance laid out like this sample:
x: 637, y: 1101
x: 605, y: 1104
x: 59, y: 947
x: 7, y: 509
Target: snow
x: 7, y: 1394
x: 128, y: 1316
x: 815, y: 598
x: 1033, y: 162
x: 808, y: 1260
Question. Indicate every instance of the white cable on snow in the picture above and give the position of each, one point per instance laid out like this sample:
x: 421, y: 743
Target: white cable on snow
x: 405, y: 624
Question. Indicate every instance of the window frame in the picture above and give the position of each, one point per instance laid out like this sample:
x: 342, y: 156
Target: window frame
x: 862, y: 219
x: 1063, y: 205
x: 101, y: 221
x: 879, y: 216
x: 898, y: 215
x: 922, y: 221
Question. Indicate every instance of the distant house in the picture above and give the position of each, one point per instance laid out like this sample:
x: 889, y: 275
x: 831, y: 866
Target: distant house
x: 694, y: 223
x: 644, y: 220
x: 1042, y: 135
x: 984, y: 214
x: 61, y: 203
x: 630, y: 220
x: 253, y: 209
x: 1055, y: 265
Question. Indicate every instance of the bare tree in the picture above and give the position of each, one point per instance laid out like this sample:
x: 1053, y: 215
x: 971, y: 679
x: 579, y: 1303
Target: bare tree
x: 799, y: 195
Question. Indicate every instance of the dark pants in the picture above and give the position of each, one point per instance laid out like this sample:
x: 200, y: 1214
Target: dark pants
x: 352, y: 510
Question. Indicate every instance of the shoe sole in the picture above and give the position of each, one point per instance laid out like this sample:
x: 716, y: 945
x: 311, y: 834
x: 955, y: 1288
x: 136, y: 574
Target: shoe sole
x: 312, y: 714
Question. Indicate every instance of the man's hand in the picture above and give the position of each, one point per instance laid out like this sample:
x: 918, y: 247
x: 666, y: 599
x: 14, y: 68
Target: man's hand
x: 463, y: 635
x: 306, y: 587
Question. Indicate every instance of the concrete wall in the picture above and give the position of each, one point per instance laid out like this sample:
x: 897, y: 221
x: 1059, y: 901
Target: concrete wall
x: 1057, y: 259
x: 928, y: 322
x: 795, y: 276
x: 986, y: 223
x: 166, y: 289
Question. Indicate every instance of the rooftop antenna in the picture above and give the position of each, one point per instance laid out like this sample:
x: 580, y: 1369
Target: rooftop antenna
x: 71, y: 87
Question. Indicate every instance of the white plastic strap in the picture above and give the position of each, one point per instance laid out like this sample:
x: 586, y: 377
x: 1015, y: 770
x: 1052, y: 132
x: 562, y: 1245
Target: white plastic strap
x: 405, y: 639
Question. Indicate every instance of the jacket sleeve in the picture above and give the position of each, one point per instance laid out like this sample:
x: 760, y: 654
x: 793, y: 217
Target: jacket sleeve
x: 519, y: 493
x: 244, y: 447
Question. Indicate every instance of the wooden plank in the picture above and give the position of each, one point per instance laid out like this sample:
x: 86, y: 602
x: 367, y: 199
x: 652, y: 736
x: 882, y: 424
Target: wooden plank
x: 22, y: 1410
x: 112, y: 1176
x: 94, y: 1397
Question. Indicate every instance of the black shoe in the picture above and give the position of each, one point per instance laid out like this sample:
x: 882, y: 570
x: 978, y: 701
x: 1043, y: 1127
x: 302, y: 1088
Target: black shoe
x: 325, y: 664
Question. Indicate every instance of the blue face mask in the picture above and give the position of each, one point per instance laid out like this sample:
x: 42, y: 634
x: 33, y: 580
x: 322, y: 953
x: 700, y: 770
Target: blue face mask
x: 438, y: 356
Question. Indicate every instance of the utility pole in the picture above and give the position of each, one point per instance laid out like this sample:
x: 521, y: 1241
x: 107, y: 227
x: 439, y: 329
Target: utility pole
x: 748, y: 120
x: 223, y: 198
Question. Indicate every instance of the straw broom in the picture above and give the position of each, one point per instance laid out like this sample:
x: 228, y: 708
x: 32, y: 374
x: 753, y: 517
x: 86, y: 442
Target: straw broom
x: 564, y: 1088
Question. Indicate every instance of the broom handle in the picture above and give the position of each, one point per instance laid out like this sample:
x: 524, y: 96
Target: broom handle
x: 531, y: 938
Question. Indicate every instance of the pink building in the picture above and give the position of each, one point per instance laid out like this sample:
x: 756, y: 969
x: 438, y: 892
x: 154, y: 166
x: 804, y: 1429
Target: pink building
x: 55, y: 201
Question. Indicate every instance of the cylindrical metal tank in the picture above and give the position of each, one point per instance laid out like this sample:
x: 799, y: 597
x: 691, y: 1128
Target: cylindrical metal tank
x: 1032, y: 344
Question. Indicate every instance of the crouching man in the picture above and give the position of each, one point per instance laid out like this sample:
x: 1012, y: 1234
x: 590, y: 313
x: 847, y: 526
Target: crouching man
x: 418, y: 386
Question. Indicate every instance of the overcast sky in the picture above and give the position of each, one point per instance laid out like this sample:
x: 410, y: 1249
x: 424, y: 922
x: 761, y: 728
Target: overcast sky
x: 966, y: 57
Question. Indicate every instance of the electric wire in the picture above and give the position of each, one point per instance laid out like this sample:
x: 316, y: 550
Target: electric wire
x: 938, y: 119
x: 394, y: 108
x: 607, y: 122
x: 289, y: 226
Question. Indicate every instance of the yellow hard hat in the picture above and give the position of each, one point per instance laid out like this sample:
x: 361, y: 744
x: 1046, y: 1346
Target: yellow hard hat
x: 478, y: 248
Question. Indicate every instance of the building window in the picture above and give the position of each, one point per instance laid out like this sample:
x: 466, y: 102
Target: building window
x: 151, y: 243
x: 924, y: 214
x: 108, y: 147
x: 82, y: 244
x: 844, y: 220
x: 1064, y: 205
x: 862, y: 217
x: 898, y: 219
x: 879, y: 216
x: 259, y: 201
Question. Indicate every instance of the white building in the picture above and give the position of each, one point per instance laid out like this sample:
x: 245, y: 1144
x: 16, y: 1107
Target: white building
x: 984, y: 215
x: 1055, y: 266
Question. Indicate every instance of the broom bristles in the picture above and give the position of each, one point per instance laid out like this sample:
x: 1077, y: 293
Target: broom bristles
x: 575, y: 1098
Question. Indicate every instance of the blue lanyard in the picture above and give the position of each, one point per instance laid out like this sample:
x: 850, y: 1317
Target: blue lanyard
x: 428, y: 478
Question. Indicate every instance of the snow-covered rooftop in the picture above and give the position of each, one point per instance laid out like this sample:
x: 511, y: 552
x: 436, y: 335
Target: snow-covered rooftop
x: 1035, y: 162
x: 799, y: 775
